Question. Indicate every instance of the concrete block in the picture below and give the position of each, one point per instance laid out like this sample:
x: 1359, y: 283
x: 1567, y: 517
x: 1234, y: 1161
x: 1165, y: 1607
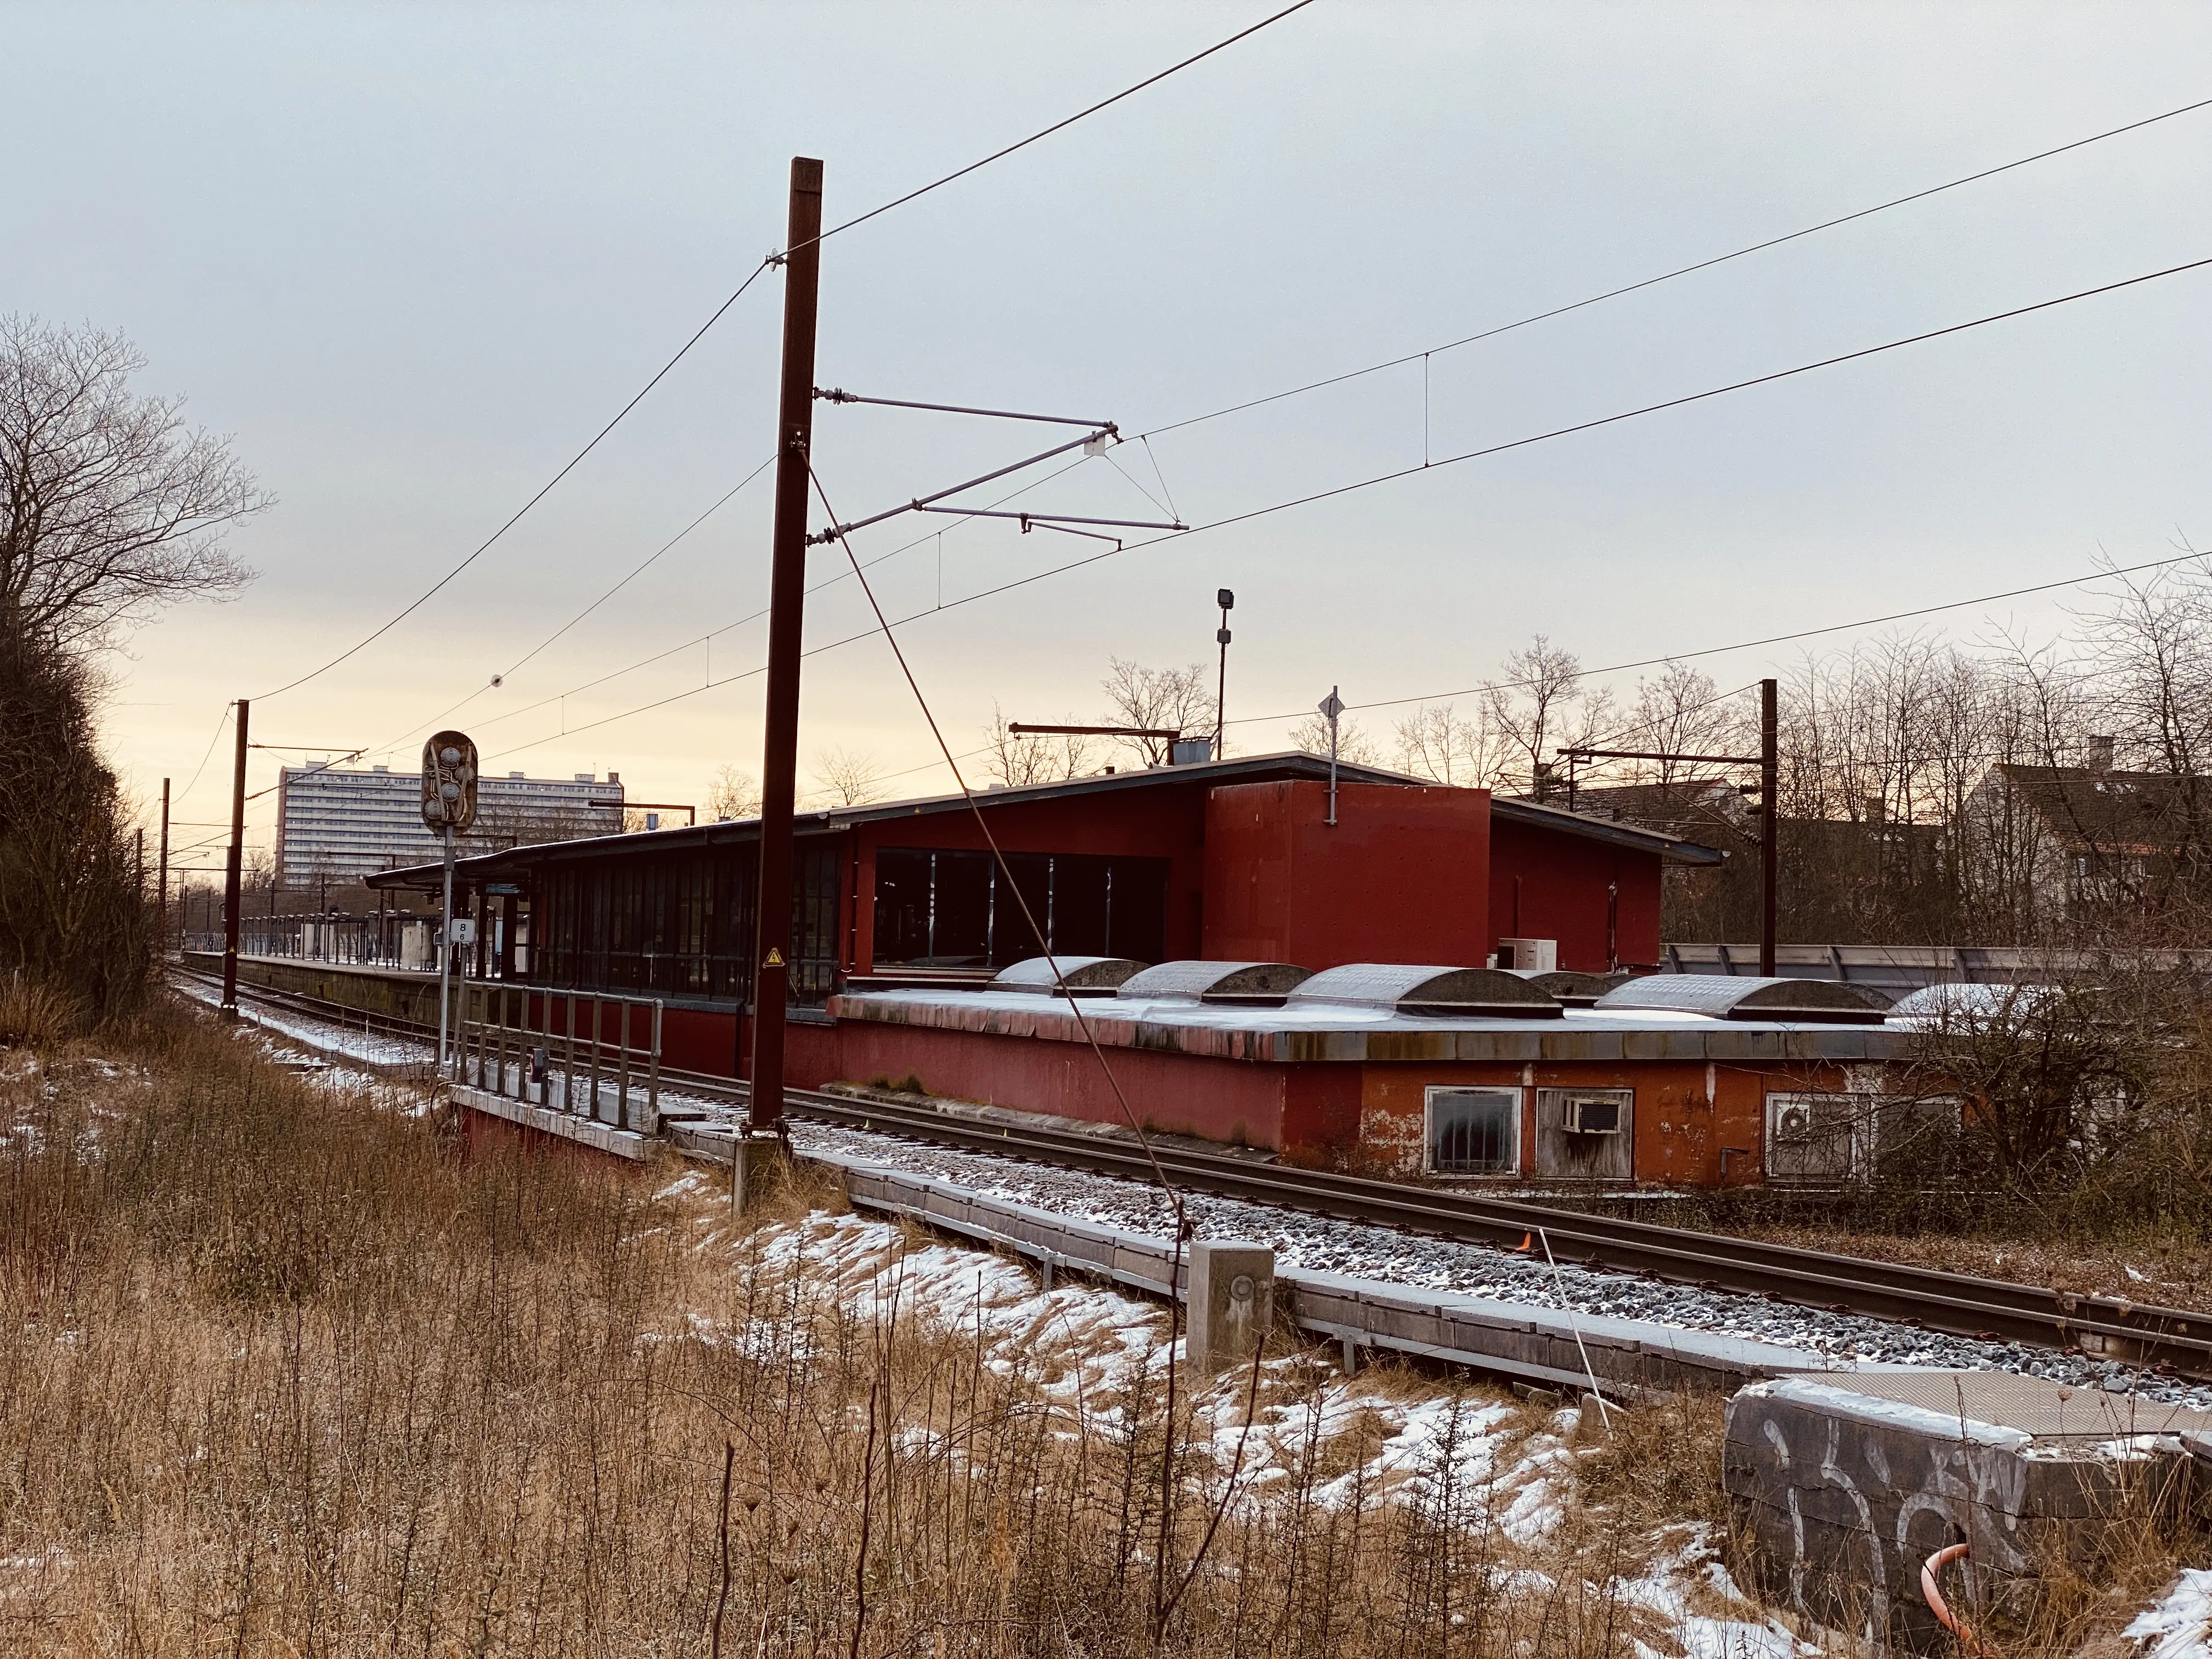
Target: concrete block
x: 1842, y: 1484
x: 1232, y: 1300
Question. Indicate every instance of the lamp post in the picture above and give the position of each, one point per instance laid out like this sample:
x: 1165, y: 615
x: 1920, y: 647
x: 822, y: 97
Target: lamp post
x: 1227, y: 601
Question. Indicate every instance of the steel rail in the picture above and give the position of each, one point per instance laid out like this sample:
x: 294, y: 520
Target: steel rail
x: 1958, y: 1304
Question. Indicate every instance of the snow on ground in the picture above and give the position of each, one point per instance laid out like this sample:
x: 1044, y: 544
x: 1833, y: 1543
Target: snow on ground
x: 1695, y: 1596
x: 1326, y: 1245
x: 2180, y: 1624
x: 351, y: 1042
x: 1485, y: 1460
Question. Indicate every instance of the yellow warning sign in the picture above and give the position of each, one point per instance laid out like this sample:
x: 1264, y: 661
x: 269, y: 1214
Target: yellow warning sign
x: 775, y: 957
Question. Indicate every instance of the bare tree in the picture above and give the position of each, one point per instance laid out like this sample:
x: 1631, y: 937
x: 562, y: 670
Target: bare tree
x: 1437, y: 741
x: 1541, y: 707
x: 733, y: 794
x: 1159, y: 699
x: 850, y: 776
x: 1352, y: 743
x: 1680, y: 711
x: 501, y: 824
x: 110, y: 505
x: 1016, y: 758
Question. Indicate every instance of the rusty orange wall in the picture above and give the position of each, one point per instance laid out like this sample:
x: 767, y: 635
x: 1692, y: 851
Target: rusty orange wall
x: 1687, y: 1111
x: 1548, y: 885
x: 1402, y: 876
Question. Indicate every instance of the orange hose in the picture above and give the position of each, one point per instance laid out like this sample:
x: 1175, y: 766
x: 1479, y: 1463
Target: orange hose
x: 1958, y: 1627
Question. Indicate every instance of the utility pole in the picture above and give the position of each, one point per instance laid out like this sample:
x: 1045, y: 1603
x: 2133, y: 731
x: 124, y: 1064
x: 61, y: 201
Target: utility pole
x: 1769, y: 780
x: 1227, y: 601
x: 802, y: 269
x: 161, y: 893
x: 233, y: 872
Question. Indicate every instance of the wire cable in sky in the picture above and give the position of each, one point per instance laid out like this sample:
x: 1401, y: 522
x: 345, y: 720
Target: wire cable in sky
x: 637, y: 571
x: 1683, y: 271
x: 1427, y: 468
x: 484, y: 547
x: 754, y: 616
x: 1559, y: 311
x: 1069, y: 121
x: 227, y: 709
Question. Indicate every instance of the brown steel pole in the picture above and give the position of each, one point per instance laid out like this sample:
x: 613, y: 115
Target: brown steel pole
x: 233, y: 871
x: 161, y: 893
x: 786, y: 596
x: 1770, y: 786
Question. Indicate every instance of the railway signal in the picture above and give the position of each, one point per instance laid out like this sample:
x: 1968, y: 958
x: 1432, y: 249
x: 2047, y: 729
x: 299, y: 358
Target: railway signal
x: 449, y: 805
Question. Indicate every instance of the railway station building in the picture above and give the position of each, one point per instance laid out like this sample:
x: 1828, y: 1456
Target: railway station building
x: 915, y: 952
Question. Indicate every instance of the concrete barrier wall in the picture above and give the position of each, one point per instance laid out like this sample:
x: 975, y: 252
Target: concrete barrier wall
x: 1542, y: 1346
x: 1839, y: 1498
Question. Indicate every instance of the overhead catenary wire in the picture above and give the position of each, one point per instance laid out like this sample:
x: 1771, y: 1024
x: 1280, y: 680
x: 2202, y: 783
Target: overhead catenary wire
x: 1066, y: 122
x: 635, y: 572
x: 1572, y: 429
x: 769, y: 261
x: 1423, y: 356
x: 486, y: 545
x: 755, y: 616
x: 221, y: 725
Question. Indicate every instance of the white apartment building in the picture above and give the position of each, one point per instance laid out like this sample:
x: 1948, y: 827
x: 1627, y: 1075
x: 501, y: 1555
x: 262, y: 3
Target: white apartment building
x: 338, y: 826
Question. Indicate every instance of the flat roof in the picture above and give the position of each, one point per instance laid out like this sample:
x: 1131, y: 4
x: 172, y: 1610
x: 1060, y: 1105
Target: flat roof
x: 1290, y: 766
x: 1330, y: 1032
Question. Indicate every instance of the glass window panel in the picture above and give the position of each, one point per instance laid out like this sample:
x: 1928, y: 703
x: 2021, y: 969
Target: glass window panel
x: 1137, y: 915
x: 960, y: 925
x: 1474, y: 1131
x: 1012, y: 938
x: 1079, y: 906
x: 902, y: 906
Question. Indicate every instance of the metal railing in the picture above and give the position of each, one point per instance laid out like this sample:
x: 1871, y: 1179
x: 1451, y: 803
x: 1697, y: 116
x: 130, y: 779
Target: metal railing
x: 585, y: 1056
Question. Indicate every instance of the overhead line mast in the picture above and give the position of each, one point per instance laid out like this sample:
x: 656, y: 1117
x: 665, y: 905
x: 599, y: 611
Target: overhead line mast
x: 786, y: 603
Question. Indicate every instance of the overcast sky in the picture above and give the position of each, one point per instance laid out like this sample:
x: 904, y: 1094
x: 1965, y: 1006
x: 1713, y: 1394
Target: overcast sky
x: 413, y: 258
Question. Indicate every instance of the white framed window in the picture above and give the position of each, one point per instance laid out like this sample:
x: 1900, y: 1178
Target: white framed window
x: 1472, y: 1131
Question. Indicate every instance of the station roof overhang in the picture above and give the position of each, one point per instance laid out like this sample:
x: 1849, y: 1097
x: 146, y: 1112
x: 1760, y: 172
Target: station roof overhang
x: 516, y: 864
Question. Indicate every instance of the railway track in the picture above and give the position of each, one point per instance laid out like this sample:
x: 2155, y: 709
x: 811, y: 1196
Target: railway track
x: 1958, y: 1304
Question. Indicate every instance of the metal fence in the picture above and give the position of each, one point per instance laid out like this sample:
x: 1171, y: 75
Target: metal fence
x: 588, y: 1057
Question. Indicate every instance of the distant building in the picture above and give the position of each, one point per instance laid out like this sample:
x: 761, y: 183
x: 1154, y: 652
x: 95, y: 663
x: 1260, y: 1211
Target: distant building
x: 2076, y: 840
x: 338, y: 826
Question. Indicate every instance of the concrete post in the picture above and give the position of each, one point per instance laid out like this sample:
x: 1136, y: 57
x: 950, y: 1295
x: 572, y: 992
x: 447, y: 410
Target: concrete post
x: 1231, y: 1302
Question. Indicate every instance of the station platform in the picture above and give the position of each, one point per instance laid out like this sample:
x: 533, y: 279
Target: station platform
x: 397, y: 993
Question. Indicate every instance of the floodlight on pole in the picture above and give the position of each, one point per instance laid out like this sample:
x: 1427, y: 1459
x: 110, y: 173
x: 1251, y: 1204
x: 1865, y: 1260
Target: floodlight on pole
x: 1227, y: 601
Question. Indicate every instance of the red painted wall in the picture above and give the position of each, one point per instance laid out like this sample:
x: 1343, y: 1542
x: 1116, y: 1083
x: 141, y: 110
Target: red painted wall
x: 1402, y: 876
x: 1310, y: 1107
x: 1547, y: 885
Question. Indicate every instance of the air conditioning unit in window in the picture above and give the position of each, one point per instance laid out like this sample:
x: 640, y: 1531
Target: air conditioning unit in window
x: 1539, y: 956
x: 1590, y: 1114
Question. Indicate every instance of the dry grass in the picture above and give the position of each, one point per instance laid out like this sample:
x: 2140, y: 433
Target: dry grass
x: 281, y: 1372
x: 2168, y: 1264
